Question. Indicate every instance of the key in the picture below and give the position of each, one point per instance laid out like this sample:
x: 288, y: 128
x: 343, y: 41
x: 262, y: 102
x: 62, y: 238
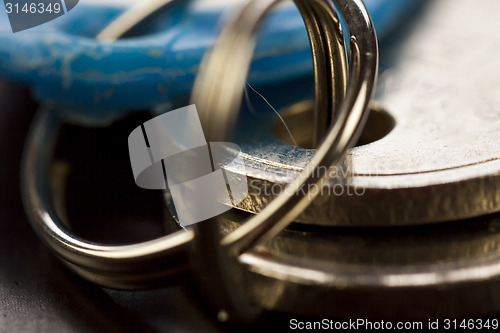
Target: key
x: 436, y: 158
x: 398, y: 273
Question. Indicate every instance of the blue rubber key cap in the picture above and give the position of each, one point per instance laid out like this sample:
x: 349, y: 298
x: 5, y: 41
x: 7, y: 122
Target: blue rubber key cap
x: 95, y: 82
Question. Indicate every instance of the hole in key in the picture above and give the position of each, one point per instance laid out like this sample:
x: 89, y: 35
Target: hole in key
x: 299, y: 119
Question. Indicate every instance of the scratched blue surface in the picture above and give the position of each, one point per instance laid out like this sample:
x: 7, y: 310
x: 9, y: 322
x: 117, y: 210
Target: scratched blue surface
x: 96, y: 82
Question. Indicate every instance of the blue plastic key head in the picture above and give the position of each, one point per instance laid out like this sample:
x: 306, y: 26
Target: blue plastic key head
x: 95, y: 82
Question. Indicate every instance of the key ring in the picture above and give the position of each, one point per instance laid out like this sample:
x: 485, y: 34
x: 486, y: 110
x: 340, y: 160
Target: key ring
x: 151, y: 263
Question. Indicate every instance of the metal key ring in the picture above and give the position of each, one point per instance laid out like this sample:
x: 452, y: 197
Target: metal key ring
x: 150, y: 263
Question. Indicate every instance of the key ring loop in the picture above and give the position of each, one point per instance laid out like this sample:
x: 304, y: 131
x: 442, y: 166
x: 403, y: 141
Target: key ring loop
x: 151, y: 263
x: 217, y: 99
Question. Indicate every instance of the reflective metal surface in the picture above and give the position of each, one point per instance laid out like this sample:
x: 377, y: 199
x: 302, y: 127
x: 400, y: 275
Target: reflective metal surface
x: 155, y: 262
x: 133, y: 17
x: 440, y: 82
x: 218, y: 92
x: 440, y: 270
x: 420, y: 272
